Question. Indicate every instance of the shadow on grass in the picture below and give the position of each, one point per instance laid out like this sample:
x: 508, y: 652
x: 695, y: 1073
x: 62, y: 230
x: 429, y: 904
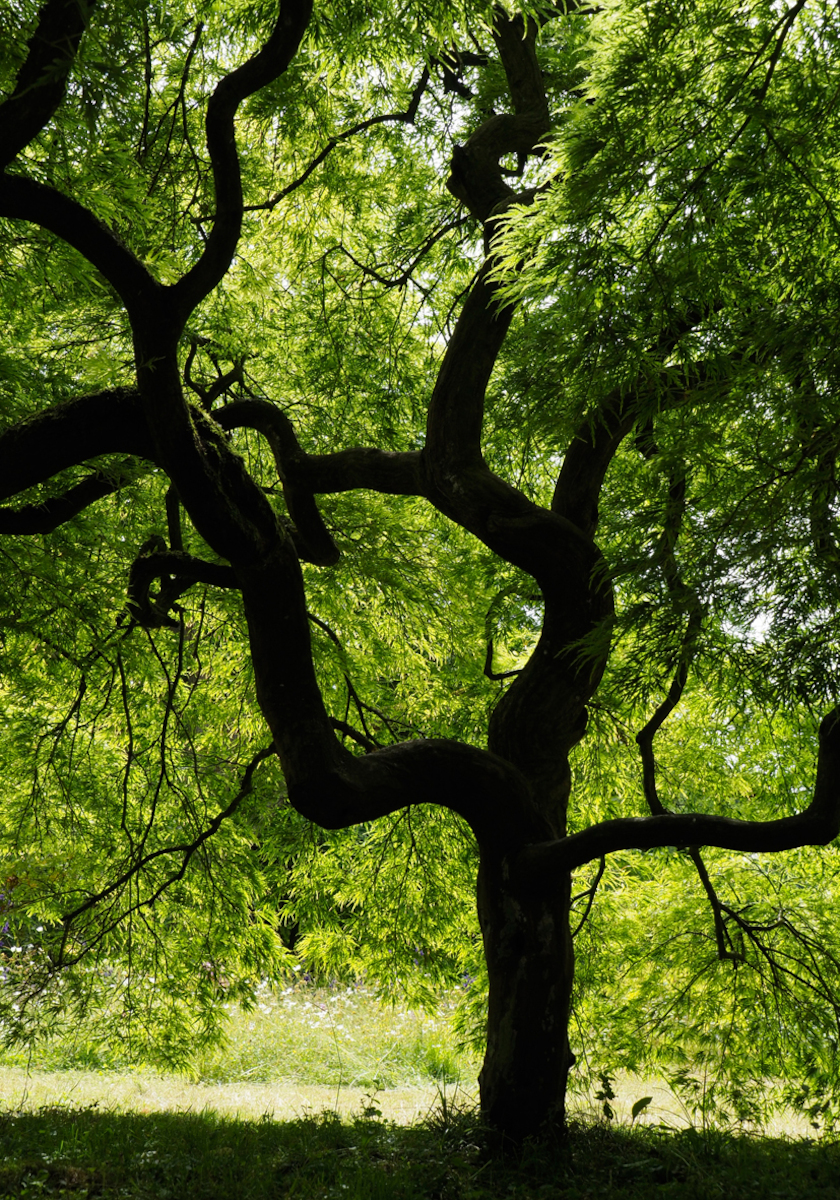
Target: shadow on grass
x: 73, y: 1153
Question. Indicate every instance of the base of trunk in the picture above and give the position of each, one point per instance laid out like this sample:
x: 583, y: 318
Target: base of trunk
x: 531, y: 967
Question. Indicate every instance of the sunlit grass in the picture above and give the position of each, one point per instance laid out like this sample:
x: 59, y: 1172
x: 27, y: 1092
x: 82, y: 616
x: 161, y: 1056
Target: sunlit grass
x: 340, y: 1036
x: 336, y: 1039
x: 306, y: 1049
x: 322, y: 1093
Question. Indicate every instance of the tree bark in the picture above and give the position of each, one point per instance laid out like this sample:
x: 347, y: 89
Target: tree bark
x: 530, y: 965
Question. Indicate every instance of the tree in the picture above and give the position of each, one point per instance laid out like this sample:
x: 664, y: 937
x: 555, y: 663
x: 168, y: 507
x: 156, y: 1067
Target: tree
x: 594, y: 377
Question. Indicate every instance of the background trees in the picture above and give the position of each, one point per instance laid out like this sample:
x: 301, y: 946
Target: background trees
x: 404, y: 396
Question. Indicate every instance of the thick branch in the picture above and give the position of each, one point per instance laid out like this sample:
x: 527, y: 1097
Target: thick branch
x: 601, y: 432
x: 484, y: 789
x: 69, y: 434
x: 585, y: 464
x: 398, y: 474
x: 263, y: 68
x: 326, y: 783
x: 315, y: 539
x: 477, y: 179
x: 23, y: 199
x: 180, y: 571
x: 42, y: 80
x: 57, y: 510
x: 542, y: 715
x: 817, y: 825
x: 392, y: 473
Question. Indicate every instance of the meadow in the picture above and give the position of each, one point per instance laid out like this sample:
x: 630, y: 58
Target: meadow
x: 326, y: 1092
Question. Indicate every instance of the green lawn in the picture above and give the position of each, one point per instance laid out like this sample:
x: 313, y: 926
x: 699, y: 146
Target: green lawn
x: 328, y: 1093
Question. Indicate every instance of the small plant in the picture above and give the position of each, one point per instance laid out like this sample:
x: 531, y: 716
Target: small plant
x: 605, y: 1093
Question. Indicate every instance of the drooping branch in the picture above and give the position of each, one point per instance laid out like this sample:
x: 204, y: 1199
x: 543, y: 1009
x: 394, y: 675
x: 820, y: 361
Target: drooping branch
x: 511, y: 589
x: 362, y: 707
x: 405, y: 116
x: 186, y: 849
x: 767, y: 55
x: 686, y: 598
x: 723, y: 941
x: 821, y: 444
x: 414, y: 256
x: 589, y: 896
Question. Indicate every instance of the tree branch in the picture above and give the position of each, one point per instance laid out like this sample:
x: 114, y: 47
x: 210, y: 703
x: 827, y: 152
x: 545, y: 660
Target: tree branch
x: 687, y: 598
x: 70, y: 434
x: 42, y: 80
x: 263, y: 68
x: 316, y: 541
x: 187, y: 849
x: 181, y: 570
x: 370, y: 468
x: 416, y: 257
x: 477, y: 179
x: 407, y: 117
x: 817, y: 825
x: 23, y: 199
x: 599, y: 435
x: 57, y: 510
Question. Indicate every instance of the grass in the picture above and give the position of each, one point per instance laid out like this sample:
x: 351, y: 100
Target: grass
x: 340, y: 1036
x: 84, y: 1153
x: 303, y: 1103
x: 332, y: 1037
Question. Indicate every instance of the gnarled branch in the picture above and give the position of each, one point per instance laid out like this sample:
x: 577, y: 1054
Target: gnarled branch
x: 816, y: 825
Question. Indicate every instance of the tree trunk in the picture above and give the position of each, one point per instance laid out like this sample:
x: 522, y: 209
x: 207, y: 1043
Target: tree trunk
x: 530, y: 961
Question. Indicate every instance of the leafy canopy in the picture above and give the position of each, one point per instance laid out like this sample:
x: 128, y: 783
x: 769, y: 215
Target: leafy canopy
x: 672, y: 258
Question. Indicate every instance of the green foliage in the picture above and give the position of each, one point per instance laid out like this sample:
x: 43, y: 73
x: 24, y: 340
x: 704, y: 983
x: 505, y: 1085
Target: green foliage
x: 680, y: 256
